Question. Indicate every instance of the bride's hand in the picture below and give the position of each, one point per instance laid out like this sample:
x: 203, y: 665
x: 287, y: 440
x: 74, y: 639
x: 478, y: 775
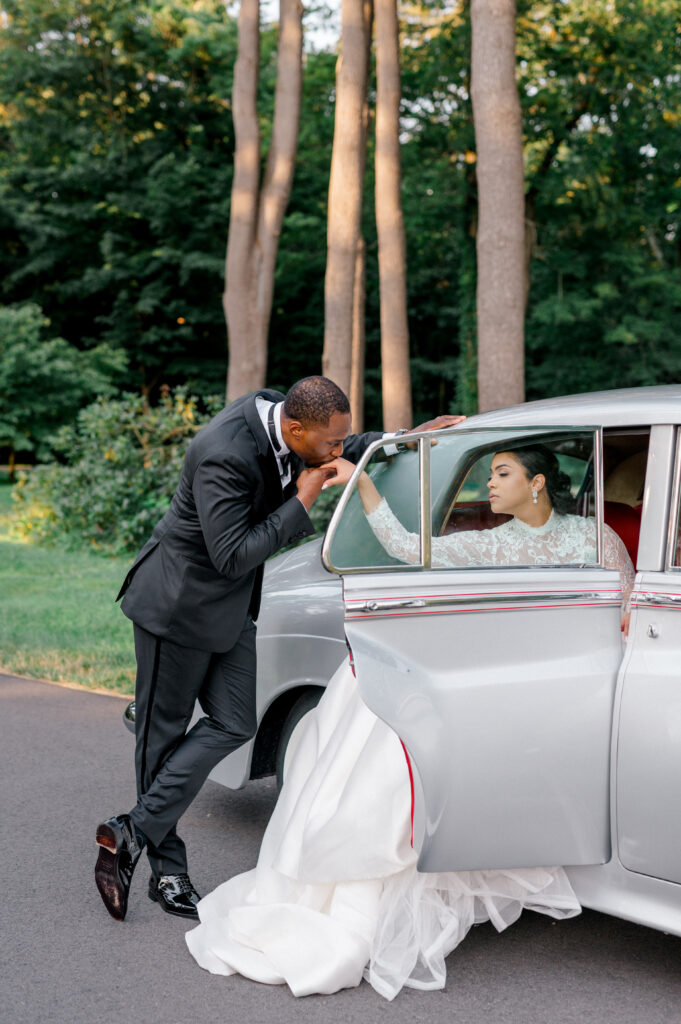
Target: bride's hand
x: 343, y: 470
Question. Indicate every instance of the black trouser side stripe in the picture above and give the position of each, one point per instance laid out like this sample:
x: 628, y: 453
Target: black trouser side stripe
x: 147, y: 721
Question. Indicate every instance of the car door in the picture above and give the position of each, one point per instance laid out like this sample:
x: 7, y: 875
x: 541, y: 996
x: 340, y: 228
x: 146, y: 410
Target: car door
x: 499, y: 679
x: 648, y: 762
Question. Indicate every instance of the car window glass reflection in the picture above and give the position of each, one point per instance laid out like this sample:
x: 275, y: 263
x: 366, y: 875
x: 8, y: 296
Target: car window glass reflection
x: 396, y: 478
x: 502, y: 501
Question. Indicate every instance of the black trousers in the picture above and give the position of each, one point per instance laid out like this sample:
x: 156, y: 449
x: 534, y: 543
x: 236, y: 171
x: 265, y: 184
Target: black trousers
x: 172, y: 764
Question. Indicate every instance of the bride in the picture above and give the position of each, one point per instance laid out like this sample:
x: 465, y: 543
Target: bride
x: 336, y: 895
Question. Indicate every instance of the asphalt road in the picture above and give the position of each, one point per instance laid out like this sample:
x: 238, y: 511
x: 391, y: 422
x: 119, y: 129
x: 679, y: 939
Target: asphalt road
x: 67, y: 763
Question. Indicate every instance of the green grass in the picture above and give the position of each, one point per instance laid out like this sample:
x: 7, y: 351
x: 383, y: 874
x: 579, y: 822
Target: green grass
x: 58, y: 619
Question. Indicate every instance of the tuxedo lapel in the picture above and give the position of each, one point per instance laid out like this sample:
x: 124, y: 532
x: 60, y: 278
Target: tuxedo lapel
x: 270, y: 474
x: 297, y: 467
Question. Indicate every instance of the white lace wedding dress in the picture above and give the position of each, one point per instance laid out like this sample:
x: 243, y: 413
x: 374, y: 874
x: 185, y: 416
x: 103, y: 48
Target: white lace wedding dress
x: 335, y: 895
x: 562, y: 539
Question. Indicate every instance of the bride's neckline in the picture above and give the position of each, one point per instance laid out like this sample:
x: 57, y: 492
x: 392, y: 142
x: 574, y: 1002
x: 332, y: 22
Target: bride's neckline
x: 544, y: 528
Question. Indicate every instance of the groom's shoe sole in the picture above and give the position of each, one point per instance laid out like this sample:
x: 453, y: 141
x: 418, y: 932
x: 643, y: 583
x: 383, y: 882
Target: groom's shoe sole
x: 115, y: 864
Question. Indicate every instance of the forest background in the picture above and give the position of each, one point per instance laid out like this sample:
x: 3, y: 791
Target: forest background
x: 116, y: 164
x: 117, y: 155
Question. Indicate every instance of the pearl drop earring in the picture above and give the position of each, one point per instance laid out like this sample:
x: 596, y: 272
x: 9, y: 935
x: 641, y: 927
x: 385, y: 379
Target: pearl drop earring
x: 534, y: 496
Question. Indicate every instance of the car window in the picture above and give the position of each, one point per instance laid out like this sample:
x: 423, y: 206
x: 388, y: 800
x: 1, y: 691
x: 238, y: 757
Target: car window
x: 465, y: 503
x: 397, y: 477
x: 481, y: 533
x: 675, y: 547
x: 452, y: 471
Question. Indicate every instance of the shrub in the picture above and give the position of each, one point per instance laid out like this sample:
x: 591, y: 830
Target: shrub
x: 114, y: 472
x: 45, y: 380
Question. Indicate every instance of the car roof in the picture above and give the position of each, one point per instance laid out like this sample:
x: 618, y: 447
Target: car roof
x: 626, y: 407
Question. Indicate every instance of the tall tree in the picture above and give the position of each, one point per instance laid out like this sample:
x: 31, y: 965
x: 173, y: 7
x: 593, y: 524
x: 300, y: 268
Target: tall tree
x: 257, y: 212
x: 345, y: 195
x: 358, y: 355
x: 358, y: 351
x: 392, y: 246
x: 501, y: 282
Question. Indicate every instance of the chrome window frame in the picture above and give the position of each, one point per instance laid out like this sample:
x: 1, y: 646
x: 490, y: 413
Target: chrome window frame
x: 426, y: 524
x: 674, y: 525
x: 424, y: 439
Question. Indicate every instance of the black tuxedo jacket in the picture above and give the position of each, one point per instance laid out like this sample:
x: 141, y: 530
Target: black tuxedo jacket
x: 200, y: 573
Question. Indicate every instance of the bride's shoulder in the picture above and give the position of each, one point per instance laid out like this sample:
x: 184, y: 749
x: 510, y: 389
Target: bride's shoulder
x: 576, y: 524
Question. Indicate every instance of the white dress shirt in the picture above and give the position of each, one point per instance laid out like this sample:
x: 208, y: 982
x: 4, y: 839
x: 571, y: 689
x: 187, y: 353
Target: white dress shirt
x: 263, y: 407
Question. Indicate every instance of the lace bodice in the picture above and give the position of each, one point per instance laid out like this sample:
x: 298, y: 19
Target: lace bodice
x: 562, y: 538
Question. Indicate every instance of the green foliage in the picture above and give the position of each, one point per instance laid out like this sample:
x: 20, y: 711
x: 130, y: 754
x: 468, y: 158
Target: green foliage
x: 121, y: 463
x: 59, y: 620
x: 44, y: 380
x: 116, y: 153
x: 115, y: 169
x: 602, y: 114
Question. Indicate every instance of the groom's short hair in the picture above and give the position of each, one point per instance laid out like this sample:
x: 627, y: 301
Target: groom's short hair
x: 312, y: 401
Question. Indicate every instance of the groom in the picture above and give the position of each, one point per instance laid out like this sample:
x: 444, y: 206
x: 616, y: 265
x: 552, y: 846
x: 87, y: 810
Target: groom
x: 249, y: 480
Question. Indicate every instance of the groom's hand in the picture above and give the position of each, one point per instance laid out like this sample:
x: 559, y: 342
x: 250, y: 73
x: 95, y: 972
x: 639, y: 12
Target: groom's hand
x: 437, y: 424
x: 311, y: 481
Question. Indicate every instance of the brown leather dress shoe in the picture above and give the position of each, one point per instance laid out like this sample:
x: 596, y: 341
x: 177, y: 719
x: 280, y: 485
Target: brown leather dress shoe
x: 175, y: 894
x: 119, y: 851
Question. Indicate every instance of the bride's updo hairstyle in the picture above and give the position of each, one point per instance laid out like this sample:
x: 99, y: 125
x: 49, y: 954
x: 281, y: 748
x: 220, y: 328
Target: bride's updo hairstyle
x: 537, y: 458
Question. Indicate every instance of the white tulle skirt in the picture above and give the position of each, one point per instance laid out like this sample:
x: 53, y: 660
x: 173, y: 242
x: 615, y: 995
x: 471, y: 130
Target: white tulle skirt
x: 335, y: 895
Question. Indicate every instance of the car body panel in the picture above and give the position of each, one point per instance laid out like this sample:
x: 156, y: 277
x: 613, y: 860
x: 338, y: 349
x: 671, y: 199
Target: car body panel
x: 503, y: 727
x: 624, y: 407
x: 649, y: 732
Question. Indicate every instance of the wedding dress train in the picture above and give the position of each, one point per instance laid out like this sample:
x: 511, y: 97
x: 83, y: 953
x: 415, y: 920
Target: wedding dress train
x: 335, y: 895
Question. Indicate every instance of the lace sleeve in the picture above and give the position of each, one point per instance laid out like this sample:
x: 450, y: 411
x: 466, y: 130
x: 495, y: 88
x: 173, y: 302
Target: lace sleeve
x: 470, y: 547
x: 616, y: 557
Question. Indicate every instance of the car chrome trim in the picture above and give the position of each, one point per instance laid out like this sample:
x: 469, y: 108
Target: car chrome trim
x: 426, y: 515
x: 520, y: 598
x: 652, y: 542
x: 598, y: 492
x: 656, y: 598
x: 674, y: 524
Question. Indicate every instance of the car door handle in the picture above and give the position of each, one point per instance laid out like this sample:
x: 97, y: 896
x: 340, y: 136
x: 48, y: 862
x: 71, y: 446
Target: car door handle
x: 659, y: 600
x: 381, y: 606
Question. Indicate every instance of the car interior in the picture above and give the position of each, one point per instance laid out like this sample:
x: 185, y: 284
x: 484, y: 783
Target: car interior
x: 625, y: 456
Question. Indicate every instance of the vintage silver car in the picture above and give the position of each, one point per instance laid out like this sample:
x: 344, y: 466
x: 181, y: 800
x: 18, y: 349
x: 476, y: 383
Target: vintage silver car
x: 536, y: 733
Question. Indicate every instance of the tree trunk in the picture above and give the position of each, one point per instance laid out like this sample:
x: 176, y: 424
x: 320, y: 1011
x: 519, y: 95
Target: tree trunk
x: 392, y: 255
x: 356, y: 394
x: 358, y: 346
x: 501, y: 281
x: 256, y: 216
x: 345, y: 192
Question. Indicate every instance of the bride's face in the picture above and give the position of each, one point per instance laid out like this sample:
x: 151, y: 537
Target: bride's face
x: 509, y: 488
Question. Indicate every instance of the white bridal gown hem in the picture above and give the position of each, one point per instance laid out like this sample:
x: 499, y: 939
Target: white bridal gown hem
x: 335, y: 895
